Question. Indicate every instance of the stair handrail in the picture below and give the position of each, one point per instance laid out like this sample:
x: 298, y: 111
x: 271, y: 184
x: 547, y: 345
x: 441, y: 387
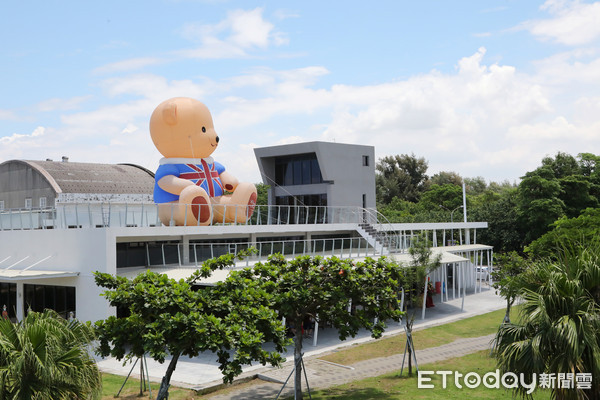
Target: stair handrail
x: 390, y: 239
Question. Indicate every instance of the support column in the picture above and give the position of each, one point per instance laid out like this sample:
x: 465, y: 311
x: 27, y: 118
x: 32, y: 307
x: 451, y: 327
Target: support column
x: 462, y: 305
x: 424, y: 298
x: 185, y: 244
x: 453, y: 281
x: 20, y: 301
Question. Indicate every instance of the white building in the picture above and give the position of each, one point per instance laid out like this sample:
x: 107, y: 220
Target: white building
x: 48, y: 255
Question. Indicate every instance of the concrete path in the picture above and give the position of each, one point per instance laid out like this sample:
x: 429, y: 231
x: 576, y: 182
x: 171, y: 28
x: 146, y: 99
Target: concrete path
x: 202, y: 372
x: 323, y: 375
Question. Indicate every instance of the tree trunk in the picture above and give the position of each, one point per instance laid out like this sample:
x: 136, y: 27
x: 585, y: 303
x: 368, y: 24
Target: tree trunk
x: 163, y: 392
x: 297, y: 355
x: 409, y: 360
x: 507, y: 315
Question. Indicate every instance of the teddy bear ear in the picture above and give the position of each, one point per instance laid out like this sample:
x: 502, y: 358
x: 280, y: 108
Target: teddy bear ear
x: 169, y: 113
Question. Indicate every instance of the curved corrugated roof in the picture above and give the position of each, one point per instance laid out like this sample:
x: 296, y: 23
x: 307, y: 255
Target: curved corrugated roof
x: 76, y: 177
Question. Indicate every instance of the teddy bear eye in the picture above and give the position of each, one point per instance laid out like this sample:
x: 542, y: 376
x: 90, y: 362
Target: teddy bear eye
x: 203, y: 130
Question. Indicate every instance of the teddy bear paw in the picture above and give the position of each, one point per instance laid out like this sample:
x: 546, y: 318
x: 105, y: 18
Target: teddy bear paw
x: 201, y: 209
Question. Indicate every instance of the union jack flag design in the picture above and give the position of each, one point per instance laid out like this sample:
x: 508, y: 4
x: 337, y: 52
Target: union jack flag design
x: 205, y: 176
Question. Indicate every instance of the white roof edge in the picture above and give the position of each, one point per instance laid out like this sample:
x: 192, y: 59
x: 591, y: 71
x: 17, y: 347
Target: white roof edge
x: 22, y: 275
x: 433, y: 225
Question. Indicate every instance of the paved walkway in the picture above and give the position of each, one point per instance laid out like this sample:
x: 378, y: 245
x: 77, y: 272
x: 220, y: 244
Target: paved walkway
x: 323, y: 375
x: 202, y: 372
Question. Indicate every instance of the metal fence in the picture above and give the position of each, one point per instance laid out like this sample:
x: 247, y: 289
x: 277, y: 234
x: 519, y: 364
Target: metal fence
x: 166, y: 254
x: 100, y: 215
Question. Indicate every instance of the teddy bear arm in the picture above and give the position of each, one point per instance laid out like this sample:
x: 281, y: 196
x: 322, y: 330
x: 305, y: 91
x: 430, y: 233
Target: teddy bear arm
x: 173, y: 184
x: 229, y: 181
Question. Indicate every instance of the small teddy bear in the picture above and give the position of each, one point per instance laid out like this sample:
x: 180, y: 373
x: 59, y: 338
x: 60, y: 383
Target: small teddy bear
x: 190, y: 187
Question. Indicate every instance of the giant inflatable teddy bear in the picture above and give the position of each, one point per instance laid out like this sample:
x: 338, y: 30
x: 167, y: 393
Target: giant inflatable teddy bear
x: 190, y: 187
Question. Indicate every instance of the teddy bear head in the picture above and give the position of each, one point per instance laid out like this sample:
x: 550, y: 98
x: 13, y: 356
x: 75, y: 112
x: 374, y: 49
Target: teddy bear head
x: 183, y: 128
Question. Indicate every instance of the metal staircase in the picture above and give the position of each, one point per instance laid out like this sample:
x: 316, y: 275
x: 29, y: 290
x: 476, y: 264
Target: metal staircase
x: 371, y: 229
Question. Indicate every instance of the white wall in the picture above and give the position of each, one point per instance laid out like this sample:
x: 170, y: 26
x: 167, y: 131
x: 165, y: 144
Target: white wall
x: 76, y: 250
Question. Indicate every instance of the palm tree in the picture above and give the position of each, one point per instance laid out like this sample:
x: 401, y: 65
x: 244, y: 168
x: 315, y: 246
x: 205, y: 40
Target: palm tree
x: 46, y: 357
x: 559, y: 330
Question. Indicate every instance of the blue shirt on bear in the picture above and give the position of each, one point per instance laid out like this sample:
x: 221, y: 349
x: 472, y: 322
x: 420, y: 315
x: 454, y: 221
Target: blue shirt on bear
x: 203, y: 172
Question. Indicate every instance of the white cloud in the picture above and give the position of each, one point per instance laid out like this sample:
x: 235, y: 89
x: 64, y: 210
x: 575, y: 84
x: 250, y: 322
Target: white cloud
x: 56, y: 104
x: 282, y: 14
x: 237, y: 36
x: 481, y: 119
x: 580, y: 66
x: 150, y: 86
x: 239, y: 33
x: 573, y: 22
x: 7, y: 115
x: 132, y: 64
x: 28, y: 146
x: 16, y: 137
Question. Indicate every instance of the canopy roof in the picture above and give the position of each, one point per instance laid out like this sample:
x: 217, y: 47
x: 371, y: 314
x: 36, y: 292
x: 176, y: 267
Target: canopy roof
x: 23, y: 275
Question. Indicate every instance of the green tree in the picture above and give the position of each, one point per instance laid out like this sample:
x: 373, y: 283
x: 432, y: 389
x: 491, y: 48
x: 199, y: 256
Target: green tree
x: 475, y: 186
x: 567, y: 232
x: 539, y: 203
x: 347, y: 295
x: 262, y: 191
x: 507, y: 278
x: 562, y: 165
x: 46, y: 357
x: 505, y: 231
x: 576, y: 194
x: 168, y: 317
x: 403, y: 176
x: 448, y: 197
x: 559, y: 329
x: 421, y: 264
x: 589, y: 165
x: 446, y: 178
x: 562, y: 185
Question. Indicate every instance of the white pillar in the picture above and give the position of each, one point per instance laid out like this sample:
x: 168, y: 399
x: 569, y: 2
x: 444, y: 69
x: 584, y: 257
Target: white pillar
x: 20, y: 301
x: 462, y: 307
x: 315, y: 332
x: 424, y: 298
x: 453, y: 281
x: 185, y: 243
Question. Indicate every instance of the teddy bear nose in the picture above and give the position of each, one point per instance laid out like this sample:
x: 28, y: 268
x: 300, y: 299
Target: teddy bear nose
x: 217, y: 139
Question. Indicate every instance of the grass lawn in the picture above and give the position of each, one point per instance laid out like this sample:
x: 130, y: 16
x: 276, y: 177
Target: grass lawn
x: 112, y: 383
x: 392, y: 386
x: 479, y: 325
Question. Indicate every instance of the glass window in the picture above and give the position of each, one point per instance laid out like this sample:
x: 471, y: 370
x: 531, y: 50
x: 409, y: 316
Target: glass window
x: 280, y: 173
x: 8, y: 298
x: 28, y: 202
x: 365, y: 161
x: 58, y: 298
x: 297, y: 172
x: 1, y: 205
x: 302, y: 169
x: 42, y: 202
x: 315, y: 171
x: 306, y: 179
x: 60, y: 305
x: 288, y: 178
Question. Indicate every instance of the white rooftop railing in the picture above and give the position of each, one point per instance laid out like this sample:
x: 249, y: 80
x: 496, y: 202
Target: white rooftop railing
x: 101, y: 215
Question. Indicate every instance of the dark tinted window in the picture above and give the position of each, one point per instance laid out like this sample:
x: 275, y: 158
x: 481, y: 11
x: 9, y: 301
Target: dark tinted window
x: 302, y: 169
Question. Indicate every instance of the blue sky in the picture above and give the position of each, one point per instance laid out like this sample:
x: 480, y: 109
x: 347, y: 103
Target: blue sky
x: 482, y: 88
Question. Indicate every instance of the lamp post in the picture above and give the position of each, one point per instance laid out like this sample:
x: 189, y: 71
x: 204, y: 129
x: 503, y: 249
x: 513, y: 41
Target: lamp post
x: 451, y: 221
